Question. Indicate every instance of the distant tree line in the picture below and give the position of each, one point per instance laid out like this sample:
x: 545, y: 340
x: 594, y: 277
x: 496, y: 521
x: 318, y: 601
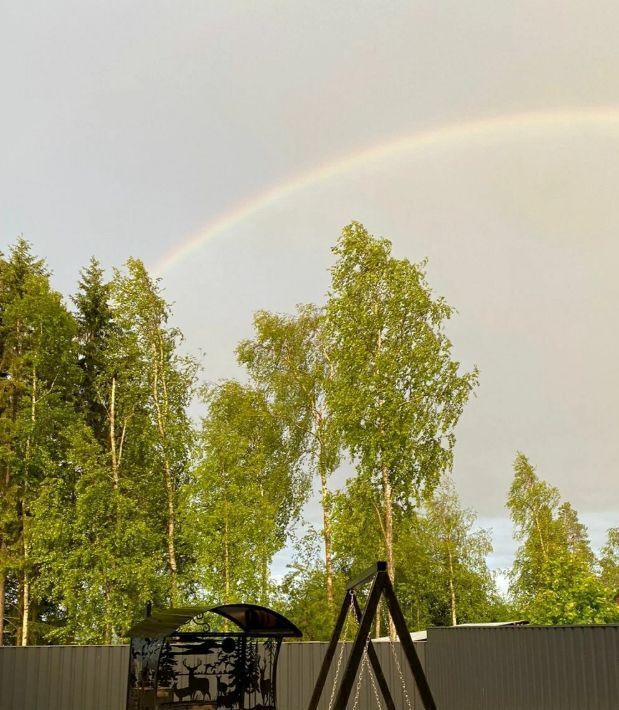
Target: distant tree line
x: 111, y: 495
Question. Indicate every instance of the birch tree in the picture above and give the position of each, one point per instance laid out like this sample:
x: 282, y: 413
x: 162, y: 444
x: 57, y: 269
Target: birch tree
x: 441, y: 576
x: 142, y: 313
x: 397, y: 392
x: 247, y: 493
x: 609, y: 563
x: 553, y: 579
x: 288, y: 358
x: 108, y: 554
x: 459, y: 553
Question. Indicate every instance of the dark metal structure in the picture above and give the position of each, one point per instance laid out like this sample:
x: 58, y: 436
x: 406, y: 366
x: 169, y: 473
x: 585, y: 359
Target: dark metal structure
x: 381, y: 587
x: 206, y: 669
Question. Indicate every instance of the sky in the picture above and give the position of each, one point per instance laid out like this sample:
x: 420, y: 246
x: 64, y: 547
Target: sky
x: 227, y: 144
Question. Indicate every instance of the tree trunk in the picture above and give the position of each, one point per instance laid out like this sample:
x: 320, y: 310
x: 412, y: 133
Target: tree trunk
x: 115, y: 477
x: 2, y: 596
x: 107, y: 638
x: 326, y: 534
x: 226, y: 562
x: 541, y: 536
x: 20, y: 609
x: 264, y: 582
x: 172, y: 564
x: 25, y: 627
x: 226, y: 557
x: 25, y: 589
x: 452, y: 591
x: 25, y: 620
x: 169, y: 478
x: 388, y: 512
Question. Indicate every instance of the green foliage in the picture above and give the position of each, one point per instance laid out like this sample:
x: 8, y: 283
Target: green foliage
x: 95, y: 442
x: 301, y: 594
x: 95, y: 325
x: 246, y: 494
x: 396, y: 392
x: 460, y: 554
x: 553, y: 580
x: 289, y: 361
x: 609, y: 563
x: 109, y: 497
x: 441, y: 567
x: 37, y: 409
x: 106, y: 525
x: 164, y: 382
x: 99, y: 551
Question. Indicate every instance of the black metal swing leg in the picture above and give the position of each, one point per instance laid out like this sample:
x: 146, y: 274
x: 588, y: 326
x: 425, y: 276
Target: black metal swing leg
x: 408, y: 647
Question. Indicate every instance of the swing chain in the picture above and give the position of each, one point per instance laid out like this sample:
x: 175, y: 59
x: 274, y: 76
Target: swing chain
x: 358, y: 688
x: 397, y: 664
x: 364, y: 664
x: 372, y: 679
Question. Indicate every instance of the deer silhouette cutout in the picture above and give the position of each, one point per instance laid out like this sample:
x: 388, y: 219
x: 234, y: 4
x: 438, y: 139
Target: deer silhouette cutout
x: 266, y: 684
x: 198, y: 684
x: 181, y: 693
x: 224, y: 698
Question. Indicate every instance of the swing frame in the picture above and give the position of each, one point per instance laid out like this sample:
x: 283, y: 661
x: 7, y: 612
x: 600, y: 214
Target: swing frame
x: 381, y: 587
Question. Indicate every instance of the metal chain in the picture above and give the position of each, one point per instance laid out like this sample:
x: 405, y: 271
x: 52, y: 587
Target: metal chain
x: 397, y: 664
x: 361, y: 673
x: 341, y: 653
x: 372, y: 679
x: 364, y: 665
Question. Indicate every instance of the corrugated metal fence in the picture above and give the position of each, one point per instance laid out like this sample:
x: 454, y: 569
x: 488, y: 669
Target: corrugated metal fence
x: 513, y: 668
x: 300, y: 663
x: 63, y: 678
x: 525, y: 668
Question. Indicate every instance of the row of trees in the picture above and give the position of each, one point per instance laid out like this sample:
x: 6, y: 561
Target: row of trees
x: 110, y: 495
x: 95, y: 448
x: 556, y: 578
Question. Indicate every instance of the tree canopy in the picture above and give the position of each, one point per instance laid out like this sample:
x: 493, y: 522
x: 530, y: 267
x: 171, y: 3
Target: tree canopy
x: 112, y: 493
x: 553, y: 580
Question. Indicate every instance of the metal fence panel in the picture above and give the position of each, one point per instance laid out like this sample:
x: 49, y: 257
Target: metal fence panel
x: 300, y: 664
x: 475, y: 668
x: 525, y: 668
x: 63, y: 677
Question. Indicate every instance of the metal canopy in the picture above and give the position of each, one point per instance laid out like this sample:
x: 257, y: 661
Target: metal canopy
x: 258, y: 620
x: 163, y: 622
x: 251, y: 618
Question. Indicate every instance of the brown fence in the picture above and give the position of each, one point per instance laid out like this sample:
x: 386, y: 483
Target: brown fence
x: 513, y: 668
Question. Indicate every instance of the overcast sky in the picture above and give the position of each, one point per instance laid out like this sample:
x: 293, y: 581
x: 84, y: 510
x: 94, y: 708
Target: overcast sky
x: 129, y: 128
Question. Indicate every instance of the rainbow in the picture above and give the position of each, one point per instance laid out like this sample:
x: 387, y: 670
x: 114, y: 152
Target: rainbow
x: 484, y: 131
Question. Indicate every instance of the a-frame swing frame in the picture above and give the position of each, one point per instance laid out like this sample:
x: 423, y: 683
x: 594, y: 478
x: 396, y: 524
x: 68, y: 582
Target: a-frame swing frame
x: 381, y: 587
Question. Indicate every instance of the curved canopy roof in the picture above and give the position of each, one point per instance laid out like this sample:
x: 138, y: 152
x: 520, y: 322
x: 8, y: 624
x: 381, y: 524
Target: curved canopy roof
x: 251, y: 618
x: 254, y: 619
